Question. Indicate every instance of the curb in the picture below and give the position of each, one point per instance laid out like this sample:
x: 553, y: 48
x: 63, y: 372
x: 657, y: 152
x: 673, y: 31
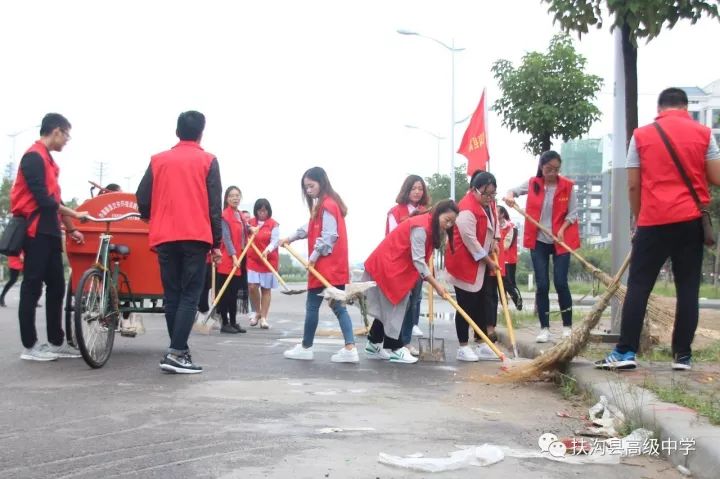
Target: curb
x: 674, y: 423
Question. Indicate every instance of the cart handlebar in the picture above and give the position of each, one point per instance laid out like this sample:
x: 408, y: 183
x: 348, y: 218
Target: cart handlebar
x: 113, y: 219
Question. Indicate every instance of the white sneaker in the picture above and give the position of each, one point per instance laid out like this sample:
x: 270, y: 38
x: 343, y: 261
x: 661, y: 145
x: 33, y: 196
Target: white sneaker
x: 298, y: 352
x: 567, y: 331
x: 465, y: 353
x: 402, y: 355
x: 346, y: 356
x: 39, y: 352
x: 264, y: 324
x: 376, y: 351
x: 484, y: 353
x: 413, y: 350
x: 253, y: 319
x: 417, y: 331
x: 64, y: 351
x: 544, y: 336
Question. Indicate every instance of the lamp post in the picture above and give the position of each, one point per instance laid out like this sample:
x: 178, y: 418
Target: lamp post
x: 453, y: 50
x: 434, y: 135
x: 14, y: 137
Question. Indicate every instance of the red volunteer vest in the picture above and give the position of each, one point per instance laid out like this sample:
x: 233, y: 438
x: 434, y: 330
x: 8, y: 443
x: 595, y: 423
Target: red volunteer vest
x: 335, y: 266
x: 391, y: 264
x: 14, y: 262
x: 400, y: 212
x: 511, y: 253
x: 236, y: 233
x: 461, y: 263
x: 179, y: 209
x: 22, y: 201
x: 262, y: 240
x: 559, y: 212
x: 664, y: 197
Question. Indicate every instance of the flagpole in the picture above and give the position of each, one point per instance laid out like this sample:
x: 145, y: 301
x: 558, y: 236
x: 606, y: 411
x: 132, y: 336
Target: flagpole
x: 486, y: 127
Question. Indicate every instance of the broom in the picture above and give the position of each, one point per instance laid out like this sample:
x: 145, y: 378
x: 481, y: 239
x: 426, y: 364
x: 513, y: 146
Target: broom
x: 564, y: 351
x: 202, y: 320
x: 286, y: 289
x: 659, y: 310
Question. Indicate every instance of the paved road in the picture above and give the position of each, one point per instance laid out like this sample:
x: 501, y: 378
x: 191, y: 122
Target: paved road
x: 255, y: 414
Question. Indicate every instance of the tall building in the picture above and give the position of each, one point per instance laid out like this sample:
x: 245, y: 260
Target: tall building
x: 705, y: 106
x: 585, y: 161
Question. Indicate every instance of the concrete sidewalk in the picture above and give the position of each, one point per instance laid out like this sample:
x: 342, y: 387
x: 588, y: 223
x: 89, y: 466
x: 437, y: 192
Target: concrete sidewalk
x: 624, y: 389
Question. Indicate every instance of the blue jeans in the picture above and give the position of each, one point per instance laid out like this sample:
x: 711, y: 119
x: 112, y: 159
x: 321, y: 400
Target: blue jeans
x: 312, y: 308
x: 182, y: 272
x: 412, y: 315
x: 541, y: 264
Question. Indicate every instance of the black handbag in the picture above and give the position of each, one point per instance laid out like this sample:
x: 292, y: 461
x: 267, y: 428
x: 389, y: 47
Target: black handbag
x: 13, y: 236
x: 707, y: 226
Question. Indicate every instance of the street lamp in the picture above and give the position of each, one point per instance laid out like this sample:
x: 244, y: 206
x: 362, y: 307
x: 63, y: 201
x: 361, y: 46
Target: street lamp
x: 15, y: 135
x: 453, y: 50
x: 434, y: 135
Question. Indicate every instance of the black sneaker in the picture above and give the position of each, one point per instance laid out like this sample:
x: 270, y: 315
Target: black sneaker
x: 179, y: 364
x: 228, y: 328
x: 239, y: 328
x: 518, y: 303
x: 682, y: 363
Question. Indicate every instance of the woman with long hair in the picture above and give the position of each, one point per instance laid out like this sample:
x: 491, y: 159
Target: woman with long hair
x: 553, y: 203
x: 261, y: 280
x: 328, y: 253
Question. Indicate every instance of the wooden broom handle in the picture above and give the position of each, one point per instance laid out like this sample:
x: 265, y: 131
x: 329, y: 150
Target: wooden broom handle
x: 503, y: 300
x: 232, y: 271
x: 270, y: 266
x: 312, y: 269
x: 474, y: 326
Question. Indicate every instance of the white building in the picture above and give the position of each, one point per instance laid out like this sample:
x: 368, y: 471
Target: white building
x: 704, y: 106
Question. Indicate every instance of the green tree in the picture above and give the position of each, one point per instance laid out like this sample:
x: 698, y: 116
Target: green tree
x: 636, y: 19
x: 439, y: 185
x: 548, y: 95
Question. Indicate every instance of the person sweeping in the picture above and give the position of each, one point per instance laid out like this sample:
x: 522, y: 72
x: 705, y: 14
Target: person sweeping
x: 327, y: 254
x: 396, y: 265
x: 261, y: 280
x: 509, y: 241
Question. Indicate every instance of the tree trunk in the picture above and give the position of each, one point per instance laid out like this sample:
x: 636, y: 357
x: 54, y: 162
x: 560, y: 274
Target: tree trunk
x: 546, y: 144
x: 631, y: 83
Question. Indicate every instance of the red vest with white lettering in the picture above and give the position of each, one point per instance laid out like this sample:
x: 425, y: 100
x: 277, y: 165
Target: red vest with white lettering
x: 461, y: 264
x: 400, y: 212
x: 262, y: 240
x: 22, y: 201
x: 179, y: 210
x: 391, y: 264
x: 510, y: 253
x: 237, y: 227
x: 664, y: 197
x: 334, y: 267
x: 561, y: 202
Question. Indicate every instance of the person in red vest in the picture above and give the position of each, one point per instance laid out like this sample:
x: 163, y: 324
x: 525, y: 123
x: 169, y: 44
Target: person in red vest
x: 15, y: 265
x: 328, y: 253
x: 261, y: 280
x: 412, y: 199
x: 180, y: 194
x: 36, y: 196
x: 509, y: 241
x: 668, y: 222
x: 395, y: 265
x: 234, y: 239
x: 471, y: 268
x: 552, y: 201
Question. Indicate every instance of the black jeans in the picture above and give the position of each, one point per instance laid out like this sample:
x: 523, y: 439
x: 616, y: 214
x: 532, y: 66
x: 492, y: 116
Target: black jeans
x: 204, y: 304
x: 651, y: 247
x: 182, y: 271
x: 561, y: 264
x: 481, y: 306
x: 43, y: 264
x: 14, y: 275
x: 227, y: 307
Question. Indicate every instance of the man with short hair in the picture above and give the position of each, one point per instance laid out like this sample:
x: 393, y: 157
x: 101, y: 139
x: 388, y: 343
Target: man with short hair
x: 181, y: 195
x: 36, y: 196
x: 669, y: 223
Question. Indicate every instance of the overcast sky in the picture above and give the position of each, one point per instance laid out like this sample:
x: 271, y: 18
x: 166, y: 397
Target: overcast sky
x: 287, y: 85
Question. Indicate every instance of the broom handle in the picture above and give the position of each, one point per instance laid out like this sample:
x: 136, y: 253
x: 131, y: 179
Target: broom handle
x: 312, y: 269
x: 213, y: 280
x: 474, y: 326
x: 431, y: 308
x: 270, y: 266
x: 532, y: 220
x: 503, y: 300
x: 232, y: 271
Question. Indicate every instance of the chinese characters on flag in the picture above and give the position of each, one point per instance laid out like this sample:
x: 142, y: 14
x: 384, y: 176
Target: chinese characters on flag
x: 474, y: 143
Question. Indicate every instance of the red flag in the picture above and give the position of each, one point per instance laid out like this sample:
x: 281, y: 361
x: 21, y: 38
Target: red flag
x: 474, y: 143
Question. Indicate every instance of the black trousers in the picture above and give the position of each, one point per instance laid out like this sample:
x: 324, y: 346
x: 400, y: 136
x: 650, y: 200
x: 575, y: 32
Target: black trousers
x: 182, y: 271
x: 203, y: 304
x: 481, y: 306
x: 510, y: 283
x: 14, y: 275
x: 43, y: 264
x: 651, y: 247
x: 227, y: 307
x: 377, y: 335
